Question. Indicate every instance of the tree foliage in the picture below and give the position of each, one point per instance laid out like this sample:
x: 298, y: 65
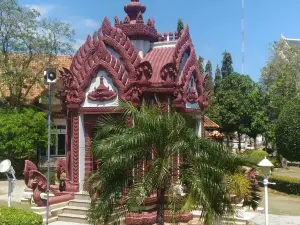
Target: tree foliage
x: 238, y: 100
x: 200, y: 62
x: 288, y: 130
x: 157, y: 137
x: 218, y: 78
x: 21, y: 133
x: 180, y: 26
x: 28, y: 44
x: 208, y: 67
x: 227, y: 67
x: 209, y: 85
x: 280, y: 77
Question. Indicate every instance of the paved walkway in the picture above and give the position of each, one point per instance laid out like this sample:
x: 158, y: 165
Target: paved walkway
x: 65, y: 223
x: 17, y: 192
x: 276, y: 220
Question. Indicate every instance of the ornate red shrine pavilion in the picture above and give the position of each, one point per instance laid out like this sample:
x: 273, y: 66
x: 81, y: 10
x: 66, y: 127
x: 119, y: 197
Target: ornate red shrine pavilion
x: 127, y: 61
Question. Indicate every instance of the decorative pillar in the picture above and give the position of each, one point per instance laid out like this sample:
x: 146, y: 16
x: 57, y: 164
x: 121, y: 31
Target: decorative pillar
x: 68, y: 146
x: 199, y: 126
x: 81, y: 152
x: 88, y: 155
x: 74, y: 163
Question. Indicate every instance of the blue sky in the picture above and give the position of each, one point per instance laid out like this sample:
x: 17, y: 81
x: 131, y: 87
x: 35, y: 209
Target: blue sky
x: 215, y: 25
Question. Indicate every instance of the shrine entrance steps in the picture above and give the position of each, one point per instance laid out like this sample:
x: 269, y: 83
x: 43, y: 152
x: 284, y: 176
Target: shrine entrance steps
x: 76, y: 210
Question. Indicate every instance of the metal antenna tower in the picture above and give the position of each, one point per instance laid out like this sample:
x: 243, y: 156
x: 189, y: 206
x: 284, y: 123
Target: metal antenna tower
x: 243, y: 35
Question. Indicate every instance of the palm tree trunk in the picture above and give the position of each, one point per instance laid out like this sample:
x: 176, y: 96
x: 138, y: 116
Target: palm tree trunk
x: 160, y: 206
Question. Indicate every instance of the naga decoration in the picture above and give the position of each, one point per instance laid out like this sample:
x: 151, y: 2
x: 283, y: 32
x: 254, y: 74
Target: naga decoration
x: 102, y: 93
x: 38, y: 183
x: 29, y: 166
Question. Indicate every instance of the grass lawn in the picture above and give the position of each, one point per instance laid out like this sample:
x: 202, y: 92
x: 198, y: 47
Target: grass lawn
x: 292, y: 171
x: 17, y: 205
x: 282, y: 204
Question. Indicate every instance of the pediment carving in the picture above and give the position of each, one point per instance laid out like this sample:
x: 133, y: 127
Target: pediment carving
x: 102, y: 93
x: 192, y: 95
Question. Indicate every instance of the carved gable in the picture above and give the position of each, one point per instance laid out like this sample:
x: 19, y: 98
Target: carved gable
x: 101, y: 92
x: 192, y: 95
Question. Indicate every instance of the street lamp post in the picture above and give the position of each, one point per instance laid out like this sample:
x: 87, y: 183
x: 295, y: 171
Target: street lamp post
x: 266, y: 166
x: 49, y: 78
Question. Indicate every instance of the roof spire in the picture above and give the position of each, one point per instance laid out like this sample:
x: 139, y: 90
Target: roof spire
x: 133, y: 8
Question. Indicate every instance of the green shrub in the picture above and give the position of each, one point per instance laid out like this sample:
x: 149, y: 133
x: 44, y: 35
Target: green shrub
x: 255, y: 156
x: 275, y: 162
x: 13, y: 216
x: 288, y: 185
x: 52, y: 177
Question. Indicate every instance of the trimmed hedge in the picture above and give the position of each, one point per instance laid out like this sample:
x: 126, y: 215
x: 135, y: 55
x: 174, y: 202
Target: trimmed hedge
x: 13, y: 216
x: 255, y: 156
x: 288, y: 185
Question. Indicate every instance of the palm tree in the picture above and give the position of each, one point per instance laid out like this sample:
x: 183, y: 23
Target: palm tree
x: 157, y: 136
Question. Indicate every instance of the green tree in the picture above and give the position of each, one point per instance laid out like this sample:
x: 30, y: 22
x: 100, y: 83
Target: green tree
x: 209, y: 85
x: 157, y: 137
x: 213, y: 111
x: 287, y: 130
x: 200, y: 62
x: 238, y: 102
x: 280, y: 77
x: 218, y: 78
x: 227, y: 68
x: 21, y: 133
x: 208, y: 67
x: 28, y: 45
x: 180, y: 26
x: 259, y: 120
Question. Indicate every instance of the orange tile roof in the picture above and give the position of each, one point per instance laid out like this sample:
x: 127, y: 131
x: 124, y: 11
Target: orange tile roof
x: 209, y: 124
x: 37, y: 90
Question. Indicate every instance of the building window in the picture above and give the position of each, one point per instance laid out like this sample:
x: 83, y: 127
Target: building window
x: 58, y: 137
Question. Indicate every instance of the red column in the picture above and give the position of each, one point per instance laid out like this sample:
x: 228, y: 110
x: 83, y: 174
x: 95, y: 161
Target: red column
x: 75, y: 148
x: 68, y: 146
x: 88, y: 154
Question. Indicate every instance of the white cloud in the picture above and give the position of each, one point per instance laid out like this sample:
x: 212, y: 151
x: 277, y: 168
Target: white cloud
x: 90, y: 23
x: 44, y: 10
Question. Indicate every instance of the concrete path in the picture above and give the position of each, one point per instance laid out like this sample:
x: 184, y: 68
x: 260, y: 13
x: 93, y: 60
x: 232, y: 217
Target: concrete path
x: 17, y: 192
x: 65, y: 223
x: 276, y: 220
